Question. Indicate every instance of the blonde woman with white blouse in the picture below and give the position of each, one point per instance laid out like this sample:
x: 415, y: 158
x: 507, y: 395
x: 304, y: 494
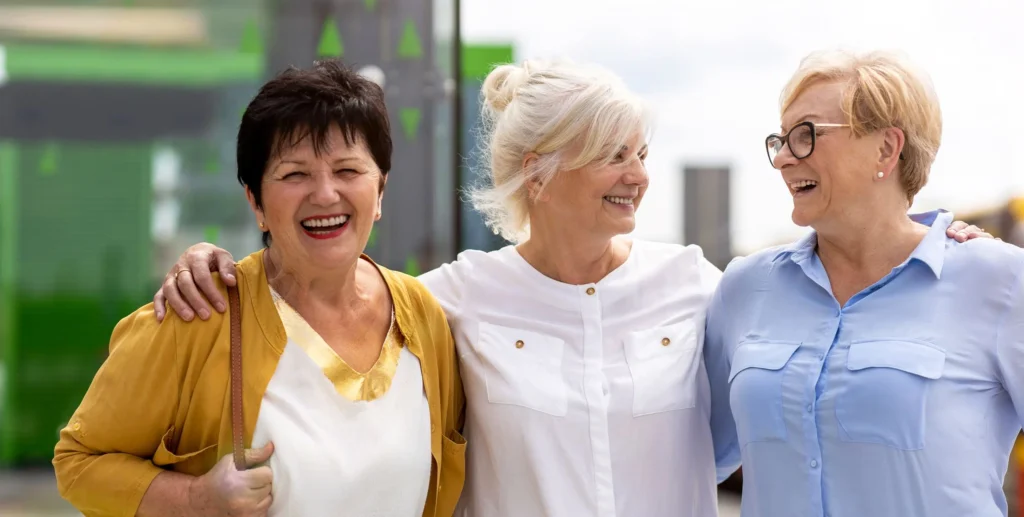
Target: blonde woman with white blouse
x: 580, y: 349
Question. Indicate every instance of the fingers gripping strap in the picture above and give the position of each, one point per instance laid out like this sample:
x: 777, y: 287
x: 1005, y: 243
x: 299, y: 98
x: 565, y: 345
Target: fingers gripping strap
x: 236, y: 377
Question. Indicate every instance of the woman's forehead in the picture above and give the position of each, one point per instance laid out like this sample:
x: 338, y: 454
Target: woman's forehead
x: 820, y: 102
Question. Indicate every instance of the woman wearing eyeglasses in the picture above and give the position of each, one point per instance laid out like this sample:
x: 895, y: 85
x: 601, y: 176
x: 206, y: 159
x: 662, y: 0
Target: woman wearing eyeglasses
x: 580, y: 349
x: 868, y: 376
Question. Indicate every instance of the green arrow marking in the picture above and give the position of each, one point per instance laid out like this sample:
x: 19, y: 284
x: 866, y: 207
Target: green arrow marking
x: 48, y: 163
x: 409, y: 46
x: 210, y: 234
x: 412, y: 267
x: 410, y: 121
x: 252, y: 42
x: 330, y: 41
x: 370, y: 4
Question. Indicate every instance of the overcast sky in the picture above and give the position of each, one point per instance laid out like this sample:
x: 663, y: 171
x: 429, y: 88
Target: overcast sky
x: 713, y: 70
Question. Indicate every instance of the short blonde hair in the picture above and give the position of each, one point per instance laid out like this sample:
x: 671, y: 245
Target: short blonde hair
x: 883, y: 90
x: 545, y: 107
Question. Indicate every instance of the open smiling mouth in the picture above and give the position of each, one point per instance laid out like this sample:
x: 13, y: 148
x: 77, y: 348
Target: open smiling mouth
x: 325, y: 227
x: 624, y: 201
x: 802, y: 187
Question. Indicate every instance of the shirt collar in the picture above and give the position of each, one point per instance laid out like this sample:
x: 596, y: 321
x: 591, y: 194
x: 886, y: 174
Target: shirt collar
x: 931, y: 251
x: 800, y: 250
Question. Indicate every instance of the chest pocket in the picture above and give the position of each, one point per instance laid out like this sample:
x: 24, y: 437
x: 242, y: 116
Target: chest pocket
x: 663, y: 366
x: 523, y: 368
x: 755, y: 390
x: 884, y: 396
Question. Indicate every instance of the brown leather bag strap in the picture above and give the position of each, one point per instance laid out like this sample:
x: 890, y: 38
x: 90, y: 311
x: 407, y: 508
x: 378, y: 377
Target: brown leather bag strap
x: 237, y: 417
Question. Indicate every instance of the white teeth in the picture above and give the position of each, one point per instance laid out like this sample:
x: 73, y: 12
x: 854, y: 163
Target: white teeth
x: 801, y: 184
x: 323, y: 223
x: 620, y: 200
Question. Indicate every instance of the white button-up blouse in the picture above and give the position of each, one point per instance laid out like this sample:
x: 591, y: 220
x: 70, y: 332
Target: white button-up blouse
x: 584, y: 400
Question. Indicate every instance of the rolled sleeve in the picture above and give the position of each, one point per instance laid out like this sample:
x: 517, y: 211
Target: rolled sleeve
x: 103, y: 458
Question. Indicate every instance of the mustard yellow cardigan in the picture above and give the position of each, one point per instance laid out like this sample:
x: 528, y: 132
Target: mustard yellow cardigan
x: 161, y: 400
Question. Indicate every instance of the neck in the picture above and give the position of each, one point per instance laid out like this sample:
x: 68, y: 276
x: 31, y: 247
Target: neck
x: 870, y: 244
x: 335, y: 288
x: 572, y: 258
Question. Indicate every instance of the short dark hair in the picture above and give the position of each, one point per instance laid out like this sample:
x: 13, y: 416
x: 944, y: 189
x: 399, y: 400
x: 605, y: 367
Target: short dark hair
x: 308, y: 103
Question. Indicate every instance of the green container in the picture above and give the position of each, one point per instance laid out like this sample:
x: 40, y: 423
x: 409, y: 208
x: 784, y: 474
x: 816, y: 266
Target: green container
x: 75, y: 249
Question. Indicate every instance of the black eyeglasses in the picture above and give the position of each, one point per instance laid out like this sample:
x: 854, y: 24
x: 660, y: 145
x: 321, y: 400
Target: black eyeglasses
x: 801, y: 139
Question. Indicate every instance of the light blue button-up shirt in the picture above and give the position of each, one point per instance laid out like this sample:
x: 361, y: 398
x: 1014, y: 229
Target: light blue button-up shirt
x: 905, y: 402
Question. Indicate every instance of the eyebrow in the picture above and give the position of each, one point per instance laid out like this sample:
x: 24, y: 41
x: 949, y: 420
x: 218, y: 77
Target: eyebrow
x: 337, y: 161
x: 803, y: 119
x: 625, y: 149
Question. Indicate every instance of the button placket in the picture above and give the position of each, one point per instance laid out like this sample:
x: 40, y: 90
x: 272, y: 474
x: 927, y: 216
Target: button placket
x: 597, y: 398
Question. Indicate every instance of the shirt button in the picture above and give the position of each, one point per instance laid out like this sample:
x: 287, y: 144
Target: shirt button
x: 821, y: 357
x: 665, y: 341
x: 520, y: 344
x: 814, y: 464
x: 591, y: 291
x: 810, y: 408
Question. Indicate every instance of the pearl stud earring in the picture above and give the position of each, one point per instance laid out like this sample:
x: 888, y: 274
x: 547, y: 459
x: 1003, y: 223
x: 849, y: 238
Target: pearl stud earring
x: 881, y: 175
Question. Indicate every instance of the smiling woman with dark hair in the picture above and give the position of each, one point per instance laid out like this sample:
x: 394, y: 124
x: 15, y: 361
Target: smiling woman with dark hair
x: 580, y: 347
x: 344, y: 375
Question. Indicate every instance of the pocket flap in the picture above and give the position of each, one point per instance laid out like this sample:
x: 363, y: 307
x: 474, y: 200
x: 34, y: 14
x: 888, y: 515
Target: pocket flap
x: 163, y: 456
x: 765, y: 356
x: 668, y: 340
x: 907, y: 356
x: 453, y: 445
x: 523, y: 343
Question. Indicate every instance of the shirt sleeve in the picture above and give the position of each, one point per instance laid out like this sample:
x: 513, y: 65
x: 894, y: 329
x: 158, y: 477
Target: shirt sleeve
x: 1010, y: 347
x: 446, y: 283
x: 103, y: 458
x: 717, y: 362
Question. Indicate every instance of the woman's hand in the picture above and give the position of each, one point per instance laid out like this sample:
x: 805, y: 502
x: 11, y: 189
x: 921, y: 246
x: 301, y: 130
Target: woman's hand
x: 963, y: 232
x: 190, y: 276
x: 224, y: 490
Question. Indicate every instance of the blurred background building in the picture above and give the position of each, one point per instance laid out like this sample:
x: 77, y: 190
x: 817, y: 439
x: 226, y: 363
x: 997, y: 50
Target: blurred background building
x: 118, y: 118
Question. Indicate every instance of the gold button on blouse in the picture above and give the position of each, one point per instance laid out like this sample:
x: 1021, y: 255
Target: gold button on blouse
x: 665, y: 341
x: 520, y: 344
x: 591, y: 291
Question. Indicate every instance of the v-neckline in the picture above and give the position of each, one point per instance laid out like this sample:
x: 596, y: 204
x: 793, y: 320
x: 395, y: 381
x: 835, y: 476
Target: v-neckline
x: 348, y: 382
